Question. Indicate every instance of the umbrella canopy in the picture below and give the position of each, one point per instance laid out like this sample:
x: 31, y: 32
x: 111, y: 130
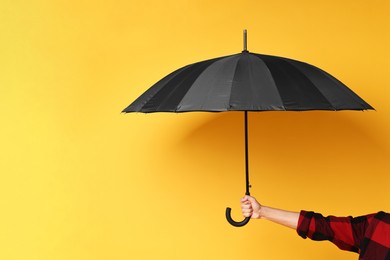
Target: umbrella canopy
x: 247, y: 82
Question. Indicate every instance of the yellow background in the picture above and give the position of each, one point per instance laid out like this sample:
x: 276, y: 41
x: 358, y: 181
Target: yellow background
x: 80, y: 180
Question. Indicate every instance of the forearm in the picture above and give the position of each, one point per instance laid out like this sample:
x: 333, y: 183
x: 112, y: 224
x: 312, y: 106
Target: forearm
x: 282, y: 217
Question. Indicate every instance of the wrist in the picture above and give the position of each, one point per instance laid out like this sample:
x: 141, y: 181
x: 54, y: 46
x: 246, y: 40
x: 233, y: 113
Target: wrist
x: 257, y: 212
x: 262, y: 212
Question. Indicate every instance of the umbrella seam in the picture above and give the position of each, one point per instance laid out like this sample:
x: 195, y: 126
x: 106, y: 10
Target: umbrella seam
x: 273, y: 81
x: 210, y: 90
x: 291, y: 62
x: 210, y: 61
x: 357, y: 100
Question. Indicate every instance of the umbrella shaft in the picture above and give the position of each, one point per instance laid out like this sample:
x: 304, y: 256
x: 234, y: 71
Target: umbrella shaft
x: 246, y: 155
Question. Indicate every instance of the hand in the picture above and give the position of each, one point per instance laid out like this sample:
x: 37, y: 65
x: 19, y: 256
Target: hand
x: 250, y: 207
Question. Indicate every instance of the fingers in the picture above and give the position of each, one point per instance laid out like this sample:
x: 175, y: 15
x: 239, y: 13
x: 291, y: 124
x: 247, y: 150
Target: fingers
x: 247, y: 210
x: 246, y: 206
x: 250, y: 207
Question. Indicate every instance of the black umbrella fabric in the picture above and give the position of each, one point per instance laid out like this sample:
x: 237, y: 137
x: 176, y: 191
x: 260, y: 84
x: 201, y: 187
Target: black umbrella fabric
x: 247, y: 82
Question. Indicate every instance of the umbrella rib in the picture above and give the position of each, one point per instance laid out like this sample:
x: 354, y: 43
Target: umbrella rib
x: 209, y: 90
x: 180, y: 88
x: 273, y: 81
x: 298, y: 92
x: 348, y: 91
x: 315, y: 85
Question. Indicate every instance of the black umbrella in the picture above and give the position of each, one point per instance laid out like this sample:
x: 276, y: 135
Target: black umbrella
x: 247, y: 82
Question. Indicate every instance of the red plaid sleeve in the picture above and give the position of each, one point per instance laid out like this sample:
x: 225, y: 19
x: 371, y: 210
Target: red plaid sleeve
x: 347, y: 233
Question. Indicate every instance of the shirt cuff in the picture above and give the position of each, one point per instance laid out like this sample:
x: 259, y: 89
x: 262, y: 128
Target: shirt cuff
x: 304, y: 220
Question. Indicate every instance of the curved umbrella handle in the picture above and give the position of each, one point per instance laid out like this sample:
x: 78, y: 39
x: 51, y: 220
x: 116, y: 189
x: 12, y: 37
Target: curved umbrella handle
x: 235, y: 223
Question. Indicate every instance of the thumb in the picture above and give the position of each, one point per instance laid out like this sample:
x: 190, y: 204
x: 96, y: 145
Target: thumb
x: 250, y: 198
x: 245, y: 198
